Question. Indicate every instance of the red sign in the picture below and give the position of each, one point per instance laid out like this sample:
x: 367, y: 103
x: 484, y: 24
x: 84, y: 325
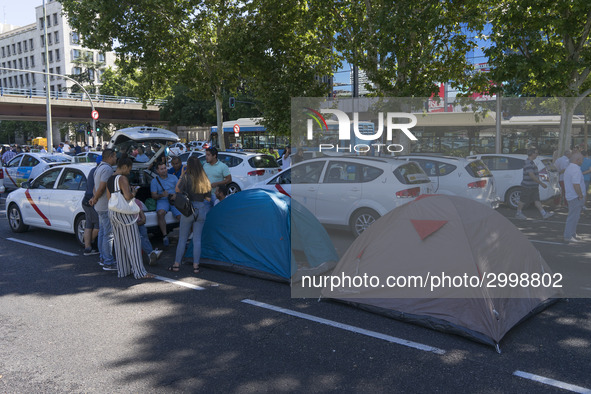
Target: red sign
x: 236, y: 130
x: 94, y: 115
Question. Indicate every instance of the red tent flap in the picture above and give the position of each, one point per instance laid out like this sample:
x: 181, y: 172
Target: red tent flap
x: 427, y: 227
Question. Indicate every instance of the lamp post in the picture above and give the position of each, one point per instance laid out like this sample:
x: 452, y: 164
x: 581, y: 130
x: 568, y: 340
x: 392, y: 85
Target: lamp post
x: 47, y: 86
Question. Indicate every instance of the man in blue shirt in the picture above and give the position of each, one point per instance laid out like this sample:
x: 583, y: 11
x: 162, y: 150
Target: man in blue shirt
x: 177, y: 167
x: 163, y: 191
x: 217, y: 172
x: 141, y: 156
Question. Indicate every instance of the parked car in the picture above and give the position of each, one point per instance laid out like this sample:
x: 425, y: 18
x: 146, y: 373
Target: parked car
x: 280, y: 183
x: 53, y: 201
x: 2, y: 189
x: 86, y: 157
x: 246, y: 168
x: 177, y: 149
x: 198, y: 145
x: 354, y: 191
x: 469, y: 178
x: 508, y: 172
x: 27, y: 166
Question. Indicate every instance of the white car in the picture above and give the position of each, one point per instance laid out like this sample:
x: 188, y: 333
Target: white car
x: 27, y: 166
x: 280, y: 183
x: 53, y: 201
x: 355, y: 191
x: 86, y: 157
x: 508, y: 172
x: 469, y: 178
x: 246, y: 169
x: 177, y: 149
x: 198, y: 145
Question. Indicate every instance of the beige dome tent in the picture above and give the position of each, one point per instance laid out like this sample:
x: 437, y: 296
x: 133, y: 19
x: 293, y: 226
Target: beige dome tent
x: 464, y: 243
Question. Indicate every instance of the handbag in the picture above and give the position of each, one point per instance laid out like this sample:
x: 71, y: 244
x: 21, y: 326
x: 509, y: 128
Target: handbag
x: 184, y: 205
x: 118, y: 203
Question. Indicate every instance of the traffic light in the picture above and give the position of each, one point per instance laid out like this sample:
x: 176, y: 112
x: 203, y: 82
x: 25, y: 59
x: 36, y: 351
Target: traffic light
x: 98, y: 127
x: 232, y: 102
x: 88, y: 130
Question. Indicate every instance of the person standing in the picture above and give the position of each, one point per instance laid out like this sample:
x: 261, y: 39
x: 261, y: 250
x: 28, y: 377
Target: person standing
x: 561, y: 163
x: 125, y: 230
x: 195, y: 183
x: 8, y: 155
x: 274, y: 153
x: 100, y: 203
x: 529, y: 186
x: 586, y: 170
x: 217, y: 172
x: 153, y: 254
x: 286, y: 158
x: 91, y: 224
x: 574, y: 188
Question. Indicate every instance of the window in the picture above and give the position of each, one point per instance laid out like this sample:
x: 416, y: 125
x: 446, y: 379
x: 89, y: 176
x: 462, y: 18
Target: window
x: 101, y: 57
x: 41, y: 23
x: 43, y: 60
x: 20, y: 49
x: 230, y: 161
x: 56, y: 37
x: 14, y: 49
x: 32, y: 61
x: 435, y: 168
x: 89, y: 56
x: 48, y: 21
x: 20, y: 63
x: 91, y: 75
x: 55, y: 19
x: 22, y: 80
x: 75, y: 54
x: 50, y: 39
x: 8, y: 50
x: 33, y: 78
x: 50, y: 53
x: 370, y: 173
x: 14, y: 63
x: 15, y: 162
x: 27, y: 79
x: 411, y: 174
x: 29, y: 161
x: 25, y: 46
x: 497, y: 163
x: 58, y: 70
x: 57, y: 55
x: 46, y: 180
x: 308, y: 172
x: 42, y: 41
x: 72, y: 180
x: 59, y: 88
x: 26, y: 62
x: 74, y: 38
x: 31, y: 43
x: 51, y: 77
x: 3, y: 52
x: 76, y: 70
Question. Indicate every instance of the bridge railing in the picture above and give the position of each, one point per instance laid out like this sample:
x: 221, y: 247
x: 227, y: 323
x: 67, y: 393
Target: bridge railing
x: 24, y: 92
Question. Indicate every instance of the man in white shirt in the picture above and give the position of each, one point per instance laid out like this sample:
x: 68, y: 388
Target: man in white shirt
x: 66, y: 148
x: 574, y: 189
x: 561, y: 163
x: 286, y: 158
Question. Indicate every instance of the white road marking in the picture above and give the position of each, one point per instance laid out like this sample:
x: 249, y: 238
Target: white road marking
x: 42, y: 247
x: 552, y: 382
x: 179, y: 283
x: 548, y: 242
x: 362, y: 331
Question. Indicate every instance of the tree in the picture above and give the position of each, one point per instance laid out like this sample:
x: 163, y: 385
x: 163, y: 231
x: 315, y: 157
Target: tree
x: 88, y: 70
x: 11, y: 129
x: 407, y: 47
x: 114, y: 83
x: 543, y: 47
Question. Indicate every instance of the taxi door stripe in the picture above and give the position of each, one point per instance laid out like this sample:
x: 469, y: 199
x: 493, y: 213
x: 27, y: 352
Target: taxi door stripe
x: 36, y: 208
x: 12, y: 180
x: 281, y: 190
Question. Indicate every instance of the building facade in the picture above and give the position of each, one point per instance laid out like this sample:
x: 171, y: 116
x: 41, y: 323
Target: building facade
x: 24, y: 48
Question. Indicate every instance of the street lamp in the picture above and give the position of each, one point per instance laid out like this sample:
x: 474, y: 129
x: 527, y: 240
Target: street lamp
x: 47, y: 86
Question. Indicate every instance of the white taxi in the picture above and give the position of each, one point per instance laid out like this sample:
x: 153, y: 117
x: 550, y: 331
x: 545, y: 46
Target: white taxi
x: 27, y: 166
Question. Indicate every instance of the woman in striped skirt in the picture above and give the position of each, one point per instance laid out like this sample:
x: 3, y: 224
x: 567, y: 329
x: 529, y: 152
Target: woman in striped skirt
x: 128, y: 247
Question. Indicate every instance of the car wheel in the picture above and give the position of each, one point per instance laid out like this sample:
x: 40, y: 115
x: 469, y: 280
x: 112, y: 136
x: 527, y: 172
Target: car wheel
x: 233, y: 188
x: 79, y: 224
x: 15, y: 219
x: 512, y: 197
x: 362, y: 219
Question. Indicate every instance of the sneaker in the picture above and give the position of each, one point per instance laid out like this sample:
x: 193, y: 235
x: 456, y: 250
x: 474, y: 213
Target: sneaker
x: 90, y: 252
x: 101, y: 263
x: 165, y: 241
x: 573, y: 240
x: 547, y: 215
x: 110, y: 267
x: 520, y: 215
x: 154, y: 255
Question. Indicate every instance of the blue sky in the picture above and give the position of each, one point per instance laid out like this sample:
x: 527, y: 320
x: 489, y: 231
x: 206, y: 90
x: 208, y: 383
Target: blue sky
x: 18, y: 12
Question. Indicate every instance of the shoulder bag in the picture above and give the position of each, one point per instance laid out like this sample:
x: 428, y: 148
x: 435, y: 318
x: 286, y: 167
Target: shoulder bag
x: 184, y: 204
x: 118, y: 203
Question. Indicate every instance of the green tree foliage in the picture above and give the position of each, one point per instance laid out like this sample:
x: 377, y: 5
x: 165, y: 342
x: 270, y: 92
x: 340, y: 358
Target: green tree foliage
x: 406, y: 47
x: 11, y: 129
x: 543, y: 47
x: 87, y: 77
x: 114, y: 83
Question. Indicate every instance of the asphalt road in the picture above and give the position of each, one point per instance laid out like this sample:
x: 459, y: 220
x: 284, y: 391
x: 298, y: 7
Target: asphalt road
x: 68, y: 326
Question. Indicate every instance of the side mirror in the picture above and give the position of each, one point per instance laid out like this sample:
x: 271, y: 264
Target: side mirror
x: 26, y: 185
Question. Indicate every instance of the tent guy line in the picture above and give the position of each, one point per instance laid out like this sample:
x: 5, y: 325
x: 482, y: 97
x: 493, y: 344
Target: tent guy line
x: 346, y: 327
x: 551, y: 382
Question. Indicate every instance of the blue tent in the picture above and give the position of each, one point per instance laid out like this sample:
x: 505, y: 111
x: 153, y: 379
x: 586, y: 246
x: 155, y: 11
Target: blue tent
x: 263, y: 233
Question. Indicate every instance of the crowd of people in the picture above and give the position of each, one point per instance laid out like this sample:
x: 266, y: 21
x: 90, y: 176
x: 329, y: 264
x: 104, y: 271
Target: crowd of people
x: 574, y: 169
x: 122, y: 238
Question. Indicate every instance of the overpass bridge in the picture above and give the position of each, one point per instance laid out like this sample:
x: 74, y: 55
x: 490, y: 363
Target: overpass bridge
x: 20, y: 104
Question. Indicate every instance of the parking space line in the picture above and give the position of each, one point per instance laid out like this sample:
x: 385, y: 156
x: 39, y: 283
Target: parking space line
x: 179, y: 283
x: 42, y: 247
x: 548, y: 242
x: 362, y: 331
x: 552, y: 382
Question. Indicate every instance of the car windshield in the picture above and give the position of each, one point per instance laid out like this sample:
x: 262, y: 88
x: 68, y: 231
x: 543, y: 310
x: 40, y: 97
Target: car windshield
x: 478, y: 169
x: 263, y: 161
x: 410, y: 174
x: 56, y: 159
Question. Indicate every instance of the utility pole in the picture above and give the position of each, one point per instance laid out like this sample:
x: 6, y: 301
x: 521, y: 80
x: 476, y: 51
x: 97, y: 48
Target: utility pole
x: 47, y: 86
